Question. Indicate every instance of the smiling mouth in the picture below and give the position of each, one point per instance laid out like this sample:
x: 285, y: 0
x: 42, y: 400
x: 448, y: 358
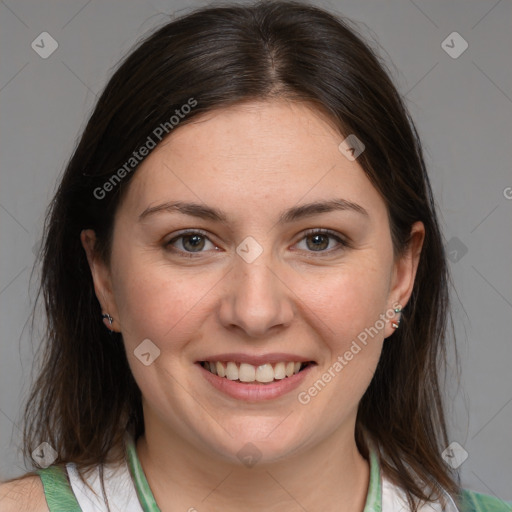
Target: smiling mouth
x: 248, y: 373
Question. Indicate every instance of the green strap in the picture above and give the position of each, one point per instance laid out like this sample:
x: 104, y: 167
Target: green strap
x: 374, y: 497
x: 146, y: 498
x: 57, y: 490
x: 60, y: 496
x: 148, y: 502
x: 471, y: 501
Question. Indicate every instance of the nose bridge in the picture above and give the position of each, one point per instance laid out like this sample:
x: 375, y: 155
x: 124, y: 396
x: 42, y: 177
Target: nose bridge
x: 255, y: 300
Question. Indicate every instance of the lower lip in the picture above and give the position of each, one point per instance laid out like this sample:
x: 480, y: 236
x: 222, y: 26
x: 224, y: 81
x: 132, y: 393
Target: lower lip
x: 255, y: 392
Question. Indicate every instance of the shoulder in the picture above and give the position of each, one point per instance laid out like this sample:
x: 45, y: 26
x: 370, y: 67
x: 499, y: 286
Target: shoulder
x: 472, y: 501
x: 23, y: 494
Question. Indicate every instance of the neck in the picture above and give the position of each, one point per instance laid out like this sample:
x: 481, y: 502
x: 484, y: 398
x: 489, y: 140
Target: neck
x: 331, y: 476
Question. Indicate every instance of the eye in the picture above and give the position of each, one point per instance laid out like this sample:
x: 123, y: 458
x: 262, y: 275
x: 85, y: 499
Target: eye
x: 190, y: 242
x: 315, y: 240
x: 321, y: 240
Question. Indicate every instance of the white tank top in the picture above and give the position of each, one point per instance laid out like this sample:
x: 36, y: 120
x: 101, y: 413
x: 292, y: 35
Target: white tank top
x: 120, y: 490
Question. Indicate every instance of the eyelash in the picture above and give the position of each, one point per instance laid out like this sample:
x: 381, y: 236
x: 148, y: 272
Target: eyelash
x: 343, y: 244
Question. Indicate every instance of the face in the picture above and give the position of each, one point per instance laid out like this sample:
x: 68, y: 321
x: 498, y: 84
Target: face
x: 247, y: 236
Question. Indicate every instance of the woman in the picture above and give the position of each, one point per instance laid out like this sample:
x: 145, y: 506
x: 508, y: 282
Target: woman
x: 245, y: 284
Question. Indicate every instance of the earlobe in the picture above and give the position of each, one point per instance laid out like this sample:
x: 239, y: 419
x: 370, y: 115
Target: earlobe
x: 101, y: 278
x: 404, y: 273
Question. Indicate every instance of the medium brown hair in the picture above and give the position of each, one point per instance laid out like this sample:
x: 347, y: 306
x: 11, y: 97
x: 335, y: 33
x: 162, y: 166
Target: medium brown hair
x: 85, y: 396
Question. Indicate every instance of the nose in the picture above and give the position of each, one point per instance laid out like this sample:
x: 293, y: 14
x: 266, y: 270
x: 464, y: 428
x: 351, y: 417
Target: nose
x: 256, y: 299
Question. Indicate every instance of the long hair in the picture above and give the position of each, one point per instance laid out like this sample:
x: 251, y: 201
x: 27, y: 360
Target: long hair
x: 85, y: 397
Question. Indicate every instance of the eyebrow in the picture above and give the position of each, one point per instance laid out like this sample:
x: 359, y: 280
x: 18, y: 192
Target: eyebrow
x: 291, y: 215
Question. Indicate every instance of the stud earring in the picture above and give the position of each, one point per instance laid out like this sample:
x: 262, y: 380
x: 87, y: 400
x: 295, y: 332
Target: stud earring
x: 396, y: 323
x: 108, y: 317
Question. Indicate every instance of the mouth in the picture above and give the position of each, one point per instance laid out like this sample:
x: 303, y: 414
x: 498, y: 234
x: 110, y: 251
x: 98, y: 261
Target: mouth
x: 245, y: 373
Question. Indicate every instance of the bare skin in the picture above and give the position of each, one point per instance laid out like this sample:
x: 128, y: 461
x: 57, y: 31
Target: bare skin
x: 23, y: 495
x: 302, y: 295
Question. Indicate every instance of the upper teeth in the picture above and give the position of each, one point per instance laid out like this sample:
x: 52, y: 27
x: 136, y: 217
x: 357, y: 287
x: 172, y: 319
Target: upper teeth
x: 248, y: 373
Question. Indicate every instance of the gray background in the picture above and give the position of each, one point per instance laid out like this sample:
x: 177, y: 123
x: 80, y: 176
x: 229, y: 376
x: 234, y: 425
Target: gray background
x: 463, y: 110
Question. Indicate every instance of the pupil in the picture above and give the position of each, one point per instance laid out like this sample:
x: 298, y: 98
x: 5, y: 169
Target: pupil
x: 319, y: 242
x: 194, y: 241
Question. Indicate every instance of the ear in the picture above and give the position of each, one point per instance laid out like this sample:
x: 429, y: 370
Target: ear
x: 404, y: 273
x: 101, y: 277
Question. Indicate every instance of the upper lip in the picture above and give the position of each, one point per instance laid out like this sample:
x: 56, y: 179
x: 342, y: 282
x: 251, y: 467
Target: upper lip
x: 257, y: 360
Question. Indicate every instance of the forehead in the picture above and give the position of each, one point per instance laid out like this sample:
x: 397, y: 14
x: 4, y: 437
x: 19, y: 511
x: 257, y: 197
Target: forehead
x: 255, y: 154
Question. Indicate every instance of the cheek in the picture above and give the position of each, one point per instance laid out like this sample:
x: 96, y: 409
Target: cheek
x: 345, y: 308
x: 345, y: 302
x: 344, y: 311
x: 156, y: 302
